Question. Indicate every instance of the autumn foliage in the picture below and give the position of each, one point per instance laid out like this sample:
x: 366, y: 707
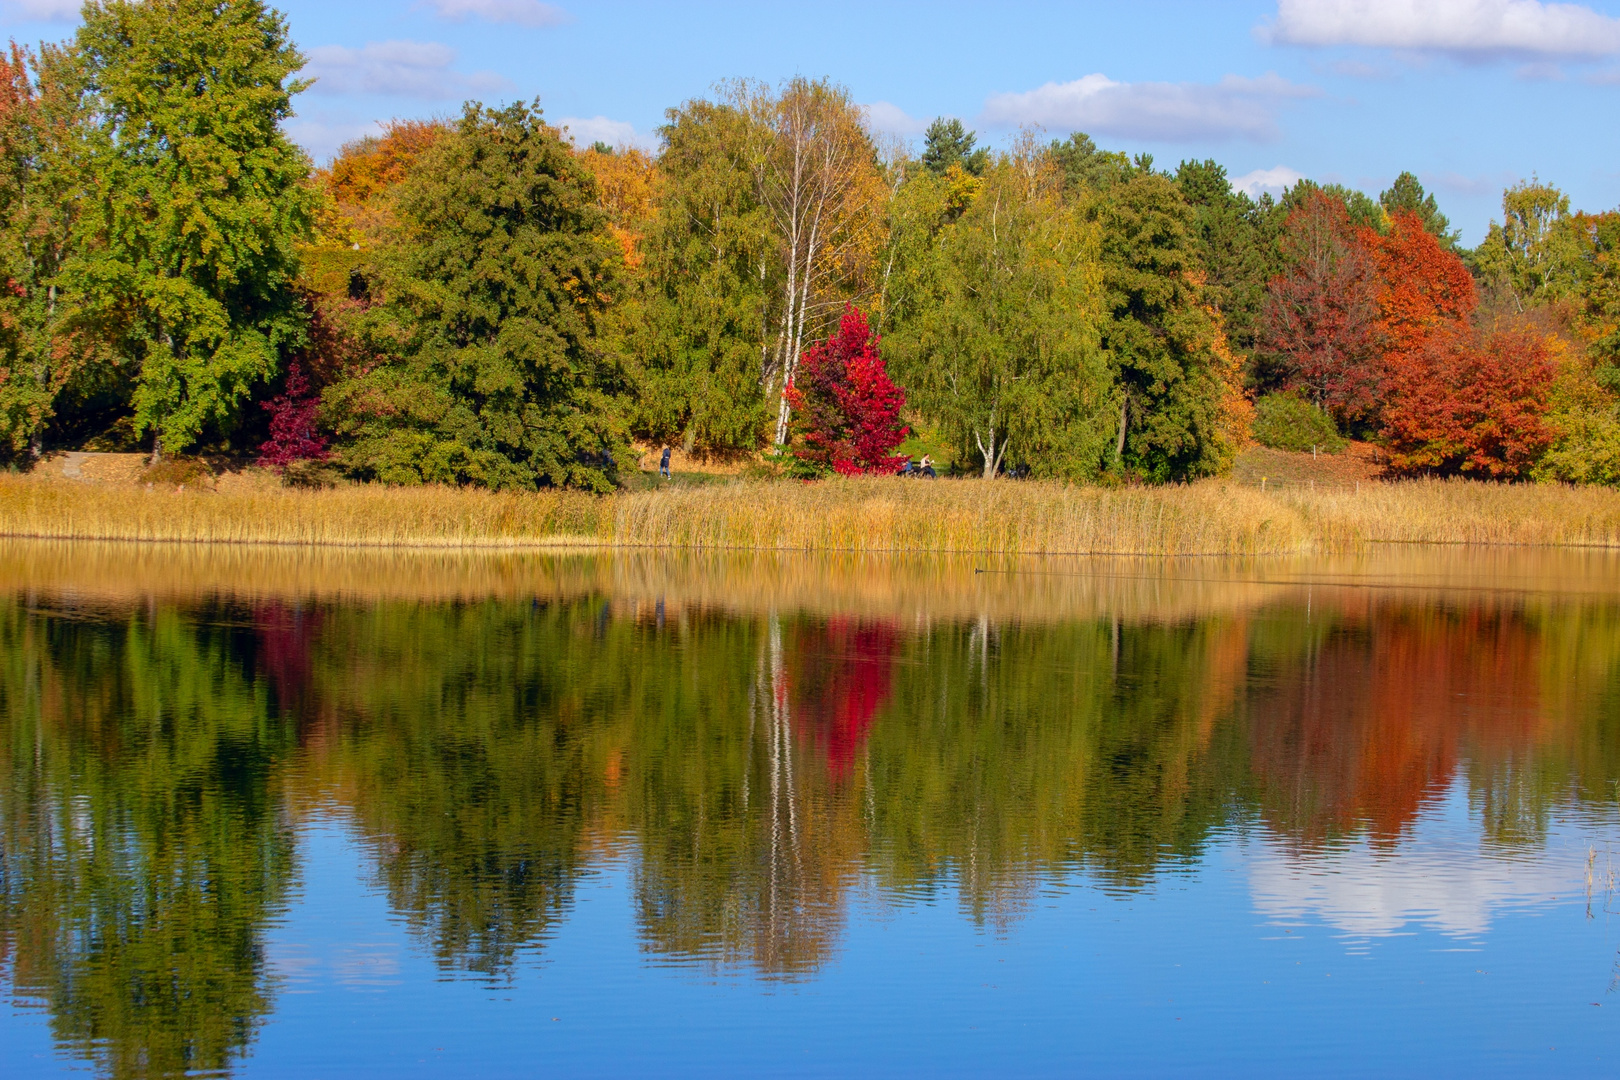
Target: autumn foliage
x: 1461, y: 405
x: 847, y: 409
x: 292, y: 424
x: 1382, y: 329
x: 1456, y: 399
x: 1320, y: 318
x: 356, y: 211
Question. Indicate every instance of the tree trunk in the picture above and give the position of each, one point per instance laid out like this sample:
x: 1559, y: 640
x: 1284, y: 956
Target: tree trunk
x: 1119, y: 443
x: 992, y: 456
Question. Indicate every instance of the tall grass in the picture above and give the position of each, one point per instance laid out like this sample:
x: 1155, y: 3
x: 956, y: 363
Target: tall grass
x: 360, y: 516
x: 860, y: 515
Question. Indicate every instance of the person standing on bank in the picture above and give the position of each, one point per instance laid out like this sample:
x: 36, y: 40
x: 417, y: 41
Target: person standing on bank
x: 663, y: 464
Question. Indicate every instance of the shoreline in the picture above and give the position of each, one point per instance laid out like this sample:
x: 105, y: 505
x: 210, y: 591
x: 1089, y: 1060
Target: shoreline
x: 1211, y: 518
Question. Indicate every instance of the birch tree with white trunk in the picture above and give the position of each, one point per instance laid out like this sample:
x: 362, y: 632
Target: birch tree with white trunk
x: 999, y: 339
x: 818, y: 178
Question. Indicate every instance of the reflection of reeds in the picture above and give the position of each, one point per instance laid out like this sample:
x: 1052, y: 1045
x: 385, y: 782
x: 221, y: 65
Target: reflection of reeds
x: 1601, y: 882
x: 909, y: 590
x: 870, y: 514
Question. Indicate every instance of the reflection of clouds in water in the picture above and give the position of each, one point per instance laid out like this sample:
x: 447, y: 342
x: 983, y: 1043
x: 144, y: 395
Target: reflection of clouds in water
x: 1443, y: 876
x: 359, y: 966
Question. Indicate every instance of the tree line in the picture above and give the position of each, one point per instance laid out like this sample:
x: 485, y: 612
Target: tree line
x: 479, y: 301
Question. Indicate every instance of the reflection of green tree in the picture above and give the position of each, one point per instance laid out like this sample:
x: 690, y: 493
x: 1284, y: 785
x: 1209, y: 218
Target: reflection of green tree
x: 490, y: 746
x: 142, y: 850
x: 468, y: 736
x: 1043, y: 748
x: 745, y: 845
x: 492, y: 751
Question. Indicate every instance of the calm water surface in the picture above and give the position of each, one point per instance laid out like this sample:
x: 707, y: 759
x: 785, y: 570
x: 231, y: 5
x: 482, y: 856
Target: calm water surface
x: 326, y: 814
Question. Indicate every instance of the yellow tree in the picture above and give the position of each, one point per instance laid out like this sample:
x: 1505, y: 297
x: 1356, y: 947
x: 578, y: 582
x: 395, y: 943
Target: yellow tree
x: 626, y: 181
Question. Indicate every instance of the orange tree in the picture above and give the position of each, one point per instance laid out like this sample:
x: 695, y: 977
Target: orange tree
x: 1455, y: 400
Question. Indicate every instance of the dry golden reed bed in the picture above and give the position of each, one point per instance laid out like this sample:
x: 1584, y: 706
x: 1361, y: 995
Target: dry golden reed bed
x: 871, y: 514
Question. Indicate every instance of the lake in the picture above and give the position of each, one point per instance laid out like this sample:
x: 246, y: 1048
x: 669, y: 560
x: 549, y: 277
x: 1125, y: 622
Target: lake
x: 272, y: 812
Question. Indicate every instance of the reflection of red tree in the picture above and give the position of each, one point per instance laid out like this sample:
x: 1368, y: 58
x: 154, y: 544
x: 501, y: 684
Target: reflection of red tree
x: 1374, y: 723
x: 840, y: 673
x: 286, y: 632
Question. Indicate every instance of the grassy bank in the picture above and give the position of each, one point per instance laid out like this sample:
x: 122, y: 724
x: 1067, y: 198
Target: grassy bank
x: 1210, y: 518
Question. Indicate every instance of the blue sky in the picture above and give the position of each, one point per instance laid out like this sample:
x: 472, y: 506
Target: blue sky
x: 1469, y: 94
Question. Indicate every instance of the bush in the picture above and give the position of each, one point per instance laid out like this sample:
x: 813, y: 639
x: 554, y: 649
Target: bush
x: 1587, y: 450
x: 1289, y: 422
x: 179, y: 471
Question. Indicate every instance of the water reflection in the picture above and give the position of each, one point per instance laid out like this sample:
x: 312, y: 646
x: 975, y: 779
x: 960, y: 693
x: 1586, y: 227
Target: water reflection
x: 143, y: 836
x: 758, y: 760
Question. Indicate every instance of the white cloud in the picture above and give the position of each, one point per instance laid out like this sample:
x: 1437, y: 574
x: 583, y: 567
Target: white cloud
x: 419, y: 69
x: 585, y: 130
x: 1235, y: 107
x: 519, y: 12
x: 887, y: 119
x: 1461, y: 27
x: 1274, y: 180
x: 323, y: 135
x: 43, y: 10
x: 1470, y: 186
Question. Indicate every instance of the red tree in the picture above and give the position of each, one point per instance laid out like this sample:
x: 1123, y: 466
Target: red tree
x: 845, y: 407
x: 1458, y: 406
x: 1319, y: 322
x: 1452, y: 401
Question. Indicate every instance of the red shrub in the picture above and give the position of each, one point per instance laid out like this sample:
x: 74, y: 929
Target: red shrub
x: 292, y: 424
x: 846, y: 408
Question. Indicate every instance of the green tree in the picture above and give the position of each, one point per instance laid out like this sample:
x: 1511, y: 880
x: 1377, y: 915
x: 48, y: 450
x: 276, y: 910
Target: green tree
x: 1364, y: 212
x: 1173, y: 419
x: 1599, y: 236
x: 699, y: 327
x: 947, y: 143
x: 1535, y: 250
x: 1407, y: 194
x: 996, y: 329
x: 197, y: 202
x: 491, y: 369
x: 39, y: 203
x: 1237, y: 241
x: 1086, y: 168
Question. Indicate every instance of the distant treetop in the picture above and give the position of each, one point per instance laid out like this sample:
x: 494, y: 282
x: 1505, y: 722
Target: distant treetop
x: 948, y: 143
x: 1407, y: 194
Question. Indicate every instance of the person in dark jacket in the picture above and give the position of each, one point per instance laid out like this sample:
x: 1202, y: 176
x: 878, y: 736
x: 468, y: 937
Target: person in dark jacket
x: 663, y: 463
